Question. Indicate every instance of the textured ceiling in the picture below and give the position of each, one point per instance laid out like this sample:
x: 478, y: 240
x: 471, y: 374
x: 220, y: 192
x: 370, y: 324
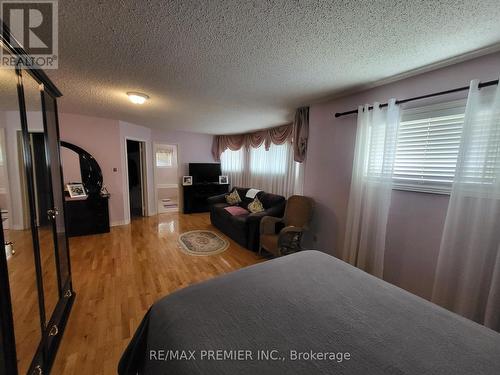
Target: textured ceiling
x: 230, y: 66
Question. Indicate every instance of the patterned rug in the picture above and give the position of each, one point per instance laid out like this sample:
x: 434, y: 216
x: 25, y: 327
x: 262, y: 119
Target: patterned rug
x: 202, y: 242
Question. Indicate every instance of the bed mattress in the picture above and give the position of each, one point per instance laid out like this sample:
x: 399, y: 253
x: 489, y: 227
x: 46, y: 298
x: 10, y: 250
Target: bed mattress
x: 307, y: 313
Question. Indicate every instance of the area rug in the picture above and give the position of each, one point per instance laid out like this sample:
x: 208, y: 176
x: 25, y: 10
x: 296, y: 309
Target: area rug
x: 202, y: 242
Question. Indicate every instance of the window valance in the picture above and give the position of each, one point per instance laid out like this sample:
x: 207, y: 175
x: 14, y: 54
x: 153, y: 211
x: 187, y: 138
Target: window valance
x: 296, y: 133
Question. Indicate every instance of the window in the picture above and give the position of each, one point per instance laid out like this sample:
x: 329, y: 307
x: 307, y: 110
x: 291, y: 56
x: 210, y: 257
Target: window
x: 232, y: 161
x: 273, y: 170
x: 427, y: 147
x: 164, y: 158
x: 271, y: 162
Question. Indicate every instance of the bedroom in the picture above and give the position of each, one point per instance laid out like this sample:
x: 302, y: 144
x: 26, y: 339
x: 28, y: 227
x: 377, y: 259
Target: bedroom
x: 231, y: 86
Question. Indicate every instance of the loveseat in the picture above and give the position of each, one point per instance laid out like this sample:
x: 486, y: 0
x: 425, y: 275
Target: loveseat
x: 244, y: 228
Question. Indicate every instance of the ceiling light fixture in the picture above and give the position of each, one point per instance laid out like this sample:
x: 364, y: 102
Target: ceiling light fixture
x: 137, y: 97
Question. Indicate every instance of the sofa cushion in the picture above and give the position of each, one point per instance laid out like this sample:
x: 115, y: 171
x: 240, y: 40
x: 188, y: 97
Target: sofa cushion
x: 233, y: 198
x: 255, y: 206
x: 269, y: 200
x: 245, y: 202
x: 236, y: 210
x: 242, y: 192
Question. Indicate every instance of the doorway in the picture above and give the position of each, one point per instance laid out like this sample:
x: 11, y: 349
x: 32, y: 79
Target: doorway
x: 41, y: 183
x: 41, y: 179
x: 166, y: 177
x: 136, y: 177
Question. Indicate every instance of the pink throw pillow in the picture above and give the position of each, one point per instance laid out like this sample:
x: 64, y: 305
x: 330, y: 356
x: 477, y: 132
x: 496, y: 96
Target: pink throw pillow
x: 236, y: 210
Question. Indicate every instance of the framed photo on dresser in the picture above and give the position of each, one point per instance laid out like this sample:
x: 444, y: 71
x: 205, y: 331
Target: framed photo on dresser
x: 76, y: 190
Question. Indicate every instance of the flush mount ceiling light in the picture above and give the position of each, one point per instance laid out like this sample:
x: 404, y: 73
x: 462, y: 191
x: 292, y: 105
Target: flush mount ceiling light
x: 137, y: 97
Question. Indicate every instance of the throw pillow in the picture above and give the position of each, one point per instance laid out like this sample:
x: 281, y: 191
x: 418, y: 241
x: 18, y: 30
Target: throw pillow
x: 236, y: 210
x: 233, y: 198
x: 255, y: 206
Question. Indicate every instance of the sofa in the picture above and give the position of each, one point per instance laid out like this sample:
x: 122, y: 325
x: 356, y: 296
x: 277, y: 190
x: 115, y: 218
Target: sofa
x: 245, y: 228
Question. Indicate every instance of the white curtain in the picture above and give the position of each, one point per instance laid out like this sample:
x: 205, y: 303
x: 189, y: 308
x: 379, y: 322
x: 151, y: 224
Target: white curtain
x: 273, y: 170
x: 371, y: 187
x: 233, y: 165
x: 467, y: 277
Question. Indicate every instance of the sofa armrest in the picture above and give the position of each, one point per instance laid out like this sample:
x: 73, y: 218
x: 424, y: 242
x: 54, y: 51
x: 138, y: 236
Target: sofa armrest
x: 268, y: 224
x: 275, y: 211
x: 221, y: 198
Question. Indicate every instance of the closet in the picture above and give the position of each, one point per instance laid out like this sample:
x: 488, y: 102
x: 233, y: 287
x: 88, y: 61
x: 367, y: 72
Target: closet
x: 36, y: 292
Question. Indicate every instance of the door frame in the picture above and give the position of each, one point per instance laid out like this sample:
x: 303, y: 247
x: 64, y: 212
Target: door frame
x: 155, y: 178
x: 5, y: 166
x: 144, y: 178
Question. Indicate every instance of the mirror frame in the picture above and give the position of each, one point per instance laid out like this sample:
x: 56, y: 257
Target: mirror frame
x: 45, y: 354
x: 90, y: 170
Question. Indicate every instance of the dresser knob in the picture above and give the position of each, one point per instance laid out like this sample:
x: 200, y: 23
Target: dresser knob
x: 38, y: 370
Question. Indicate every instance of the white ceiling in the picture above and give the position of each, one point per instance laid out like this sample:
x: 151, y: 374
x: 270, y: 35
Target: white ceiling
x: 231, y: 66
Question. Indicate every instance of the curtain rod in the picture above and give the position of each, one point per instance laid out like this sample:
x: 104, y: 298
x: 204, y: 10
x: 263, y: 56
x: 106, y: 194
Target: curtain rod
x: 483, y: 84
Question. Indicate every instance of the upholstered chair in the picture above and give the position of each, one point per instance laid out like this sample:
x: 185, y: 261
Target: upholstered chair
x: 281, y: 236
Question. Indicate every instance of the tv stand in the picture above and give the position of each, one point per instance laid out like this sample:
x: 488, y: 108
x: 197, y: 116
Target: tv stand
x: 196, y: 195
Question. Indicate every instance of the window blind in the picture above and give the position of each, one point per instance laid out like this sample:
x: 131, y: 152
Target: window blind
x: 427, y: 150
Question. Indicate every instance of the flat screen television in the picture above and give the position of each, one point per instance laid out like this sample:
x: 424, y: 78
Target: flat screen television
x: 204, y: 172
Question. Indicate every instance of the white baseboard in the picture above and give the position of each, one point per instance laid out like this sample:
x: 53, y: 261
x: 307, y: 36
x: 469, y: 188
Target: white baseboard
x: 119, y: 222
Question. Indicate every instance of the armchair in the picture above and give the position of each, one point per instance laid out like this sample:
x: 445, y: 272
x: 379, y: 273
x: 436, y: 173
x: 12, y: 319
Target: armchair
x: 281, y: 236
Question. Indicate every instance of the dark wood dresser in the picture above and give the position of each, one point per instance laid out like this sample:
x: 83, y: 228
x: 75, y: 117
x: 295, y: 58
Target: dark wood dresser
x: 196, y: 195
x: 87, y: 216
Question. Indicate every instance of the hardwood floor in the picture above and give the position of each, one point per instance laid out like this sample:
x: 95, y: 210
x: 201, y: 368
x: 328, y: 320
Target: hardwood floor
x: 22, y: 280
x: 117, y: 276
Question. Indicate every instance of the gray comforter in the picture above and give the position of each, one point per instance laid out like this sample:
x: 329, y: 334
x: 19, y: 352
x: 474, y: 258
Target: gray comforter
x: 307, y: 313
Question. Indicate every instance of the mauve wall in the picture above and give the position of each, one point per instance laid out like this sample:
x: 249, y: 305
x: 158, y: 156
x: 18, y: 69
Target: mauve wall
x: 192, y: 147
x: 416, y: 219
x: 105, y: 140
x: 101, y: 138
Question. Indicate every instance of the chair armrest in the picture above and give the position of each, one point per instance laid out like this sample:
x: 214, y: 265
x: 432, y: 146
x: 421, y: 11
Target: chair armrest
x: 221, y: 198
x: 268, y: 224
x: 291, y: 229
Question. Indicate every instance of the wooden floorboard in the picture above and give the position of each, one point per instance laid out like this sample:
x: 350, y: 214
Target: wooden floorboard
x: 117, y: 276
x: 25, y: 309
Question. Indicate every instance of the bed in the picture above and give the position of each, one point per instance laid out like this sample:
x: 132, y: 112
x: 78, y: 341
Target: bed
x: 307, y: 313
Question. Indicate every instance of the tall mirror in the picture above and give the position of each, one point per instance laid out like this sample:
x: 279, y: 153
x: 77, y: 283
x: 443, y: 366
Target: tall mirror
x: 35, y: 274
x: 42, y: 191
x: 16, y: 226
x: 51, y: 129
